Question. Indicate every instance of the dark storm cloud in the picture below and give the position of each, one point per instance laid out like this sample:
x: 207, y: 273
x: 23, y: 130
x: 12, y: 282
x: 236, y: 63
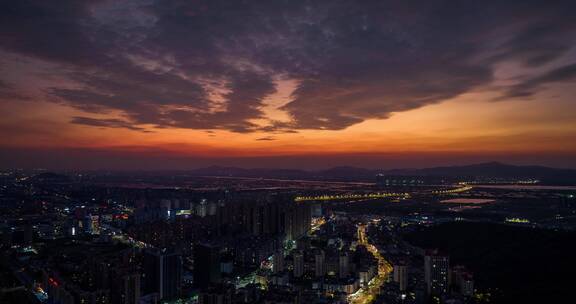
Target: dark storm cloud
x: 105, y: 123
x: 246, y: 93
x: 530, y: 86
x: 211, y: 64
x: 8, y: 93
x: 52, y: 31
x: 539, y: 44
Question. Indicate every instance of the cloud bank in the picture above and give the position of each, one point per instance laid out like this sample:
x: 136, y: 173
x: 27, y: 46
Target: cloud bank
x: 211, y: 64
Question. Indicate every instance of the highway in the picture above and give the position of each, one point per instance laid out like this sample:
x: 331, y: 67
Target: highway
x: 368, y: 295
x: 328, y: 197
x: 374, y: 195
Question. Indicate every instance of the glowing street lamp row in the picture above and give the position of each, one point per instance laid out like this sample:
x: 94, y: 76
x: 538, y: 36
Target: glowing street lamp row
x: 348, y: 196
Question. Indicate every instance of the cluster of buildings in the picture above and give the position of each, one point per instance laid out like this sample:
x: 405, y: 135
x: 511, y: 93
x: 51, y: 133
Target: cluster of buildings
x: 112, y: 246
x: 419, y: 275
x: 63, y: 244
x: 325, y: 266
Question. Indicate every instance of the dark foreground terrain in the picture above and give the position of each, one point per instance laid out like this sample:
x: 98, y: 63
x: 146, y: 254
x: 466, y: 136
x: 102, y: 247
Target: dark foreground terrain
x: 521, y: 265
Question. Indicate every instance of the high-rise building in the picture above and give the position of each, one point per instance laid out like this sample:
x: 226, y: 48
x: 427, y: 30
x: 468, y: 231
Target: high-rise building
x: 163, y: 272
x: 400, y: 275
x: 212, y: 208
x: 7, y: 236
x: 463, y: 280
x: 28, y: 235
x: 91, y: 224
x: 298, y: 264
x: 320, y: 263
x: 278, y: 262
x: 467, y: 285
x: 206, y: 265
x: 343, y: 265
x: 130, y: 289
x: 217, y: 294
x: 267, y: 215
x: 202, y: 208
x: 298, y: 219
x: 436, y: 272
x: 316, y: 210
x: 100, y: 271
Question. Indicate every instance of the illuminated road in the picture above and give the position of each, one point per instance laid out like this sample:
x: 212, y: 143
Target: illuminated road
x: 368, y: 295
x: 456, y: 190
x: 327, y: 197
x: 375, y: 195
x: 317, y: 223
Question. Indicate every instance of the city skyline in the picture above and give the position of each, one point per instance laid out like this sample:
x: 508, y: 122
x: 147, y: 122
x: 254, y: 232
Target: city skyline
x: 153, y: 85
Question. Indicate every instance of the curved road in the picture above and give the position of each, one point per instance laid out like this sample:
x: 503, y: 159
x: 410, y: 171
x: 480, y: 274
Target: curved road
x: 365, y: 296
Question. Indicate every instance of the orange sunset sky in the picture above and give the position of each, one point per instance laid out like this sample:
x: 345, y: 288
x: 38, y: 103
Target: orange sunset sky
x: 379, y: 86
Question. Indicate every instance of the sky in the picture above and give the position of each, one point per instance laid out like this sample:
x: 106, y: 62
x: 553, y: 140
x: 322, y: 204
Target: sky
x: 179, y: 84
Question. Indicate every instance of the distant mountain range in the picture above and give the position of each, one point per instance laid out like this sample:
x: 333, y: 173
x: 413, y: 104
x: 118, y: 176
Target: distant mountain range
x: 492, y: 169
